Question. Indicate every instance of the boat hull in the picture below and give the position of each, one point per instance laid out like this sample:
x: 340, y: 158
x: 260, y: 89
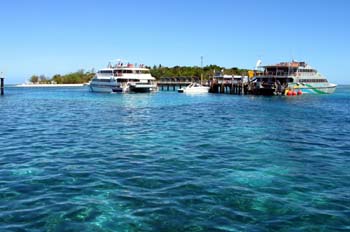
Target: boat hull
x: 142, y: 88
x: 194, y: 88
x: 204, y: 90
x: 309, y: 89
x: 124, y: 89
x: 270, y: 89
x: 102, y: 89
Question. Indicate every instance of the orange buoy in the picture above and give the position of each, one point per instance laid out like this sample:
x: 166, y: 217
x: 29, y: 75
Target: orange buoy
x: 289, y: 93
x: 299, y: 92
x: 294, y: 93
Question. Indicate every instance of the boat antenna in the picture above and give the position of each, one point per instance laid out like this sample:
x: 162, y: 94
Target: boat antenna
x: 258, y: 64
x: 289, y: 67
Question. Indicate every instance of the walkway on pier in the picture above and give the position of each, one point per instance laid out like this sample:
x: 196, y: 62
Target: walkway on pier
x: 174, y: 83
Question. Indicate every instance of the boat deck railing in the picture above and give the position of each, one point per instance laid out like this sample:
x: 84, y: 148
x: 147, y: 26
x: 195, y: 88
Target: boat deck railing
x: 277, y: 75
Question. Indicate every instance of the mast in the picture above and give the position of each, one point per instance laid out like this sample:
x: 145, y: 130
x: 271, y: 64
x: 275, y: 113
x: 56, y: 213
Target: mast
x: 288, y: 69
x: 201, y: 69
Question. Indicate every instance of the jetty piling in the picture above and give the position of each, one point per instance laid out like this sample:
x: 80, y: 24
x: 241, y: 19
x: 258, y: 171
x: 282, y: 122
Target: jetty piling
x: 2, y: 86
x: 229, y: 87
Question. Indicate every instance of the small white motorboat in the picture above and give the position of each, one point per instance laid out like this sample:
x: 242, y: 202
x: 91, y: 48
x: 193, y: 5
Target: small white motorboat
x: 194, y: 88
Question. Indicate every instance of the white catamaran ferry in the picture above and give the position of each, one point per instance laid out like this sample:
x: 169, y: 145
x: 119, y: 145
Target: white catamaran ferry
x: 276, y: 79
x: 123, y: 78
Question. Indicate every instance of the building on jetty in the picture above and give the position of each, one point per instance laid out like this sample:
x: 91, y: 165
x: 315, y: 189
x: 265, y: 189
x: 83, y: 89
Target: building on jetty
x: 229, y: 84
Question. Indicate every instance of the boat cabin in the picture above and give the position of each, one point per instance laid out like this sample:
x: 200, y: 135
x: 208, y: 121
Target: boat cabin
x: 121, y: 71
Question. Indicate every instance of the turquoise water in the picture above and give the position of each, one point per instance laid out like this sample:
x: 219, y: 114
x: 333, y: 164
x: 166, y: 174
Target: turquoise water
x: 72, y: 160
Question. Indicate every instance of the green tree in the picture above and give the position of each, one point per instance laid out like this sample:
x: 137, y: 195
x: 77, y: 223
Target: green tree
x: 34, y: 79
x: 72, y: 78
x: 43, y: 79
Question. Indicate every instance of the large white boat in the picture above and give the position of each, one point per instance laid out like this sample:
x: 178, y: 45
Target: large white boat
x: 123, y: 78
x: 194, y: 88
x: 295, y: 76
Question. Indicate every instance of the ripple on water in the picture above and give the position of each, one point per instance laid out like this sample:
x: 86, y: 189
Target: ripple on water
x: 72, y: 160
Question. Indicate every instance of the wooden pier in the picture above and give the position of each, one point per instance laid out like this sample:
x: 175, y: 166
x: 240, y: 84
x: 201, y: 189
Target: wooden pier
x: 2, y: 85
x: 172, y: 86
x: 229, y: 88
x: 216, y: 86
x: 175, y: 83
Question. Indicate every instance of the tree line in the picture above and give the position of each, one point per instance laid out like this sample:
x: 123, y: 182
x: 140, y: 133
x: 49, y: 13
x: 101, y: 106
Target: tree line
x: 195, y: 71
x: 158, y: 72
x: 78, y: 77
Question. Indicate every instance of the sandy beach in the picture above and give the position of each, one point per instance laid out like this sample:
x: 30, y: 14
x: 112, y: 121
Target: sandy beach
x: 51, y: 85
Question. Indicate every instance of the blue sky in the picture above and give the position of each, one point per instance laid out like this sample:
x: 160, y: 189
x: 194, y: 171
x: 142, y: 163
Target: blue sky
x: 49, y: 37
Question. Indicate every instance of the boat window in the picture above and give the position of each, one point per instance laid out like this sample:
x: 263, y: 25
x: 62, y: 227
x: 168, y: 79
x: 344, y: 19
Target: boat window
x: 127, y: 71
x: 102, y: 80
x: 105, y: 71
x: 145, y: 71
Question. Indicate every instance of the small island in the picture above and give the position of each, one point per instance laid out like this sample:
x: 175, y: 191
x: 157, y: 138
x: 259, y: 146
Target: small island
x: 82, y: 77
x: 78, y: 78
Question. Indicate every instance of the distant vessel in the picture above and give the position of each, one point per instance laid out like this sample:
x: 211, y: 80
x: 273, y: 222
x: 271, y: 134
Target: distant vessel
x: 194, y: 88
x: 295, y: 76
x: 123, y: 78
